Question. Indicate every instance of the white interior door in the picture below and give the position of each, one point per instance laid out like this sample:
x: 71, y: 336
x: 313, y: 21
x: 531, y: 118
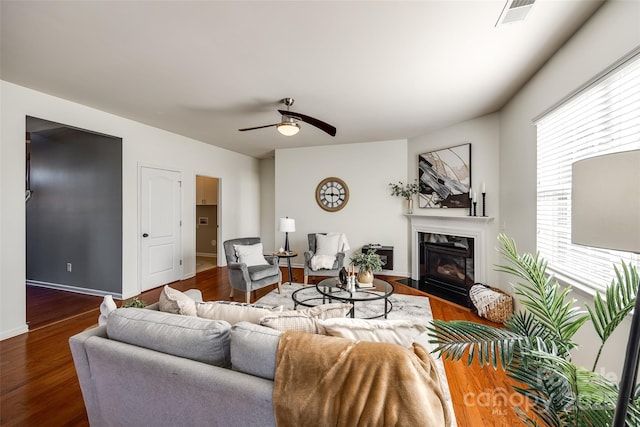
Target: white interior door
x: 160, y: 227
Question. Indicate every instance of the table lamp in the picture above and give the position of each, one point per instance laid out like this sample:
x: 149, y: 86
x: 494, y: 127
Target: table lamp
x: 287, y: 225
x: 606, y: 190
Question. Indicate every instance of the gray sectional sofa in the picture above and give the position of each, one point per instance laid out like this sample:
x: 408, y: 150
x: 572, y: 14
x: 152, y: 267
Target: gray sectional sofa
x: 150, y: 368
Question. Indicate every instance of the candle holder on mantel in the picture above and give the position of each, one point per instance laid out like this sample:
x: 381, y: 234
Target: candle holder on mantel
x: 484, y: 204
x: 475, y: 205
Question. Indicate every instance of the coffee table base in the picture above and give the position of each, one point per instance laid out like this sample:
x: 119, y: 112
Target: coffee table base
x: 312, y: 298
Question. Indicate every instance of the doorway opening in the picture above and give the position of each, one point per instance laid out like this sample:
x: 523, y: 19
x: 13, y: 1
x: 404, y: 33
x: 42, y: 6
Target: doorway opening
x: 73, y: 218
x: 207, y: 207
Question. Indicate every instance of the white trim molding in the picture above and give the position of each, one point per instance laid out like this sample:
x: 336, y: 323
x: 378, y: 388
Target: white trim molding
x: 475, y: 227
x: 76, y: 289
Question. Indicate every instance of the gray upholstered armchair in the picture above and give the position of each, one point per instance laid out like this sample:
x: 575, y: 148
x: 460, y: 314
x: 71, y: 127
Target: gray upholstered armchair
x: 337, y: 265
x: 254, y: 273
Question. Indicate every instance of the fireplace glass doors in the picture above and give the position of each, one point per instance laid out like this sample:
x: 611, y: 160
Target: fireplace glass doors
x: 446, y: 266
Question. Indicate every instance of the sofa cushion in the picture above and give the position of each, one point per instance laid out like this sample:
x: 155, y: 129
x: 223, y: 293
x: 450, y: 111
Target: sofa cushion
x: 258, y: 272
x: 176, y: 302
x: 250, y: 254
x: 305, y: 320
x: 202, y: 340
x: 234, y: 312
x: 253, y: 349
x: 402, y: 332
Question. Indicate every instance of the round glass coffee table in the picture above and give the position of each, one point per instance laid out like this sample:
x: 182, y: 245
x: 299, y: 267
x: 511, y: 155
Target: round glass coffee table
x: 331, y: 290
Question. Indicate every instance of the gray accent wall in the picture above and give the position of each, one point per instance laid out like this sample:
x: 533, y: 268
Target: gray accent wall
x: 75, y: 213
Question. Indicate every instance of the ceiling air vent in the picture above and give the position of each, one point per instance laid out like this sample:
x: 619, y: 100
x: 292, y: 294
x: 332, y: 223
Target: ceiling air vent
x: 515, y: 10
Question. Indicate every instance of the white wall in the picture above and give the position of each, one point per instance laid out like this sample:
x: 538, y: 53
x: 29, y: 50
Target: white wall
x: 372, y: 215
x: 612, y: 32
x: 483, y: 134
x: 142, y: 145
x: 268, y: 225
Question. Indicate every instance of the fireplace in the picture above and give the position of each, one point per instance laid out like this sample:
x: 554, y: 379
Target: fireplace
x: 458, y: 245
x: 447, y: 266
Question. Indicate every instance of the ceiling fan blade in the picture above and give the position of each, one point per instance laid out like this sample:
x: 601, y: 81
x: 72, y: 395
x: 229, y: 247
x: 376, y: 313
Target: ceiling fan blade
x: 331, y: 130
x: 259, y: 127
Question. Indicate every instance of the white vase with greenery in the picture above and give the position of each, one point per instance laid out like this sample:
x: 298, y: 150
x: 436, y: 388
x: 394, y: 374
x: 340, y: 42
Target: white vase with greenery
x: 406, y: 191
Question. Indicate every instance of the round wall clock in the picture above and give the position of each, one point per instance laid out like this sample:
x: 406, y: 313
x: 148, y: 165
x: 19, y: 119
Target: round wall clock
x: 332, y: 194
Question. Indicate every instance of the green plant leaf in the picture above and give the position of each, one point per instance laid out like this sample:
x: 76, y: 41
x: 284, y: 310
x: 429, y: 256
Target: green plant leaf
x: 535, y: 348
x: 489, y: 345
x: 547, y: 301
x: 620, y: 297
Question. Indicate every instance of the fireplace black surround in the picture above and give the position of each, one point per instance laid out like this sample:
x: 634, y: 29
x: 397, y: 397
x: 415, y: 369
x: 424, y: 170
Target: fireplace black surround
x: 446, y: 267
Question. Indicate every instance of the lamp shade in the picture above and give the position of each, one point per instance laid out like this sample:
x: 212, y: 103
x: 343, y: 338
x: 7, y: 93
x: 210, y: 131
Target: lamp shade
x: 287, y: 225
x: 605, y: 201
x: 288, y: 129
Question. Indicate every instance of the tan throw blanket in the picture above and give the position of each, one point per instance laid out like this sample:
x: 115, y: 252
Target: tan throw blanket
x: 331, y: 381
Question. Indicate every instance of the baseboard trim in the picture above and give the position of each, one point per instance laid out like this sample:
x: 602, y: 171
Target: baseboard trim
x: 76, y: 289
x: 207, y: 254
x: 14, y: 332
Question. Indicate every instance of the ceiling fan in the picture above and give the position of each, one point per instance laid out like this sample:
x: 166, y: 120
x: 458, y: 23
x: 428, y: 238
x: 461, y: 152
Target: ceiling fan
x: 289, y: 124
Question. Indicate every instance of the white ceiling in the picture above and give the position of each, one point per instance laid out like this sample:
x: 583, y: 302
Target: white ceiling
x: 378, y: 70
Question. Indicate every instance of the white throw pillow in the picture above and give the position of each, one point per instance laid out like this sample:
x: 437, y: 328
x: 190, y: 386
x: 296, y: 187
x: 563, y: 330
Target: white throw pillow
x: 234, y: 312
x: 173, y: 301
x: 305, y: 320
x: 250, y: 254
x: 327, y: 244
x: 402, y: 332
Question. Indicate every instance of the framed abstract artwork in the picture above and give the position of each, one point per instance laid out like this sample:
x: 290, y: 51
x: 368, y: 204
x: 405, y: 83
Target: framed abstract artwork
x: 445, y: 177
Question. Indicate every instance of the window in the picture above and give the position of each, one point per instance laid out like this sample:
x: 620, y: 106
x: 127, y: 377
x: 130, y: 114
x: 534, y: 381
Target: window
x: 603, y: 117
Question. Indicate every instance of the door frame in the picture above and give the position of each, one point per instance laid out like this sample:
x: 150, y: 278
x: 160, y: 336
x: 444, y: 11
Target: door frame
x: 140, y: 166
x: 218, y: 219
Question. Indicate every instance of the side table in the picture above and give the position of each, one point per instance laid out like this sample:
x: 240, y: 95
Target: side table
x: 288, y: 256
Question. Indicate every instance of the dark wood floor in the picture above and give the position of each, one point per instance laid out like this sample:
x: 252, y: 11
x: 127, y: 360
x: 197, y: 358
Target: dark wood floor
x: 39, y: 385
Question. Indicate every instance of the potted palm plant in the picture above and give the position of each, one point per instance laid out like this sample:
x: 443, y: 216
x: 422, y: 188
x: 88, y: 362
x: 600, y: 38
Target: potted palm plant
x: 535, y: 344
x: 367, y: 264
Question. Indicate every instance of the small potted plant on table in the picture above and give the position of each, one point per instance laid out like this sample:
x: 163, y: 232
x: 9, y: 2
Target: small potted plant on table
x: 367, y: 263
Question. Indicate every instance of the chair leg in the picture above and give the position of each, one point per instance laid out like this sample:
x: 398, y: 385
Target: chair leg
x: 280, y: 287
x: 306, y: 280
x: 247, y: 297
x: 231, y: 293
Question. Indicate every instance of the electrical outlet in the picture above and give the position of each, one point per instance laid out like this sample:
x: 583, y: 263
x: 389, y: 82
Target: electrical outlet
x: 69, y: 267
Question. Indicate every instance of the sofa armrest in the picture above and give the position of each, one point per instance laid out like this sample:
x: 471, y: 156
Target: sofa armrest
x: 308, y: 255
x: 83, y: 370
x: 307, y: 262
x: 339, y: 260
x: 239, y: 276
x: 272, y: 259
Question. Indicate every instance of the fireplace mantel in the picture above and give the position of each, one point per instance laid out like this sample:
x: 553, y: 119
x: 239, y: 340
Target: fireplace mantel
x: 475, y: 227
x: 485, y: 219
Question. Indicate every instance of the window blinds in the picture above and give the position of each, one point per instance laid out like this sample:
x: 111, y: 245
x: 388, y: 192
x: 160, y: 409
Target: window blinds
x: 603, y: 118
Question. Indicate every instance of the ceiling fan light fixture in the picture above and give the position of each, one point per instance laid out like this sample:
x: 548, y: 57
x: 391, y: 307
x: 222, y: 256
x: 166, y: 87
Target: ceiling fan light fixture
x: 288, y: 129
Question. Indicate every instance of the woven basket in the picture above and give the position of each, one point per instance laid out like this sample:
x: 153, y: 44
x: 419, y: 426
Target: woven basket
x: 491, y: 303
